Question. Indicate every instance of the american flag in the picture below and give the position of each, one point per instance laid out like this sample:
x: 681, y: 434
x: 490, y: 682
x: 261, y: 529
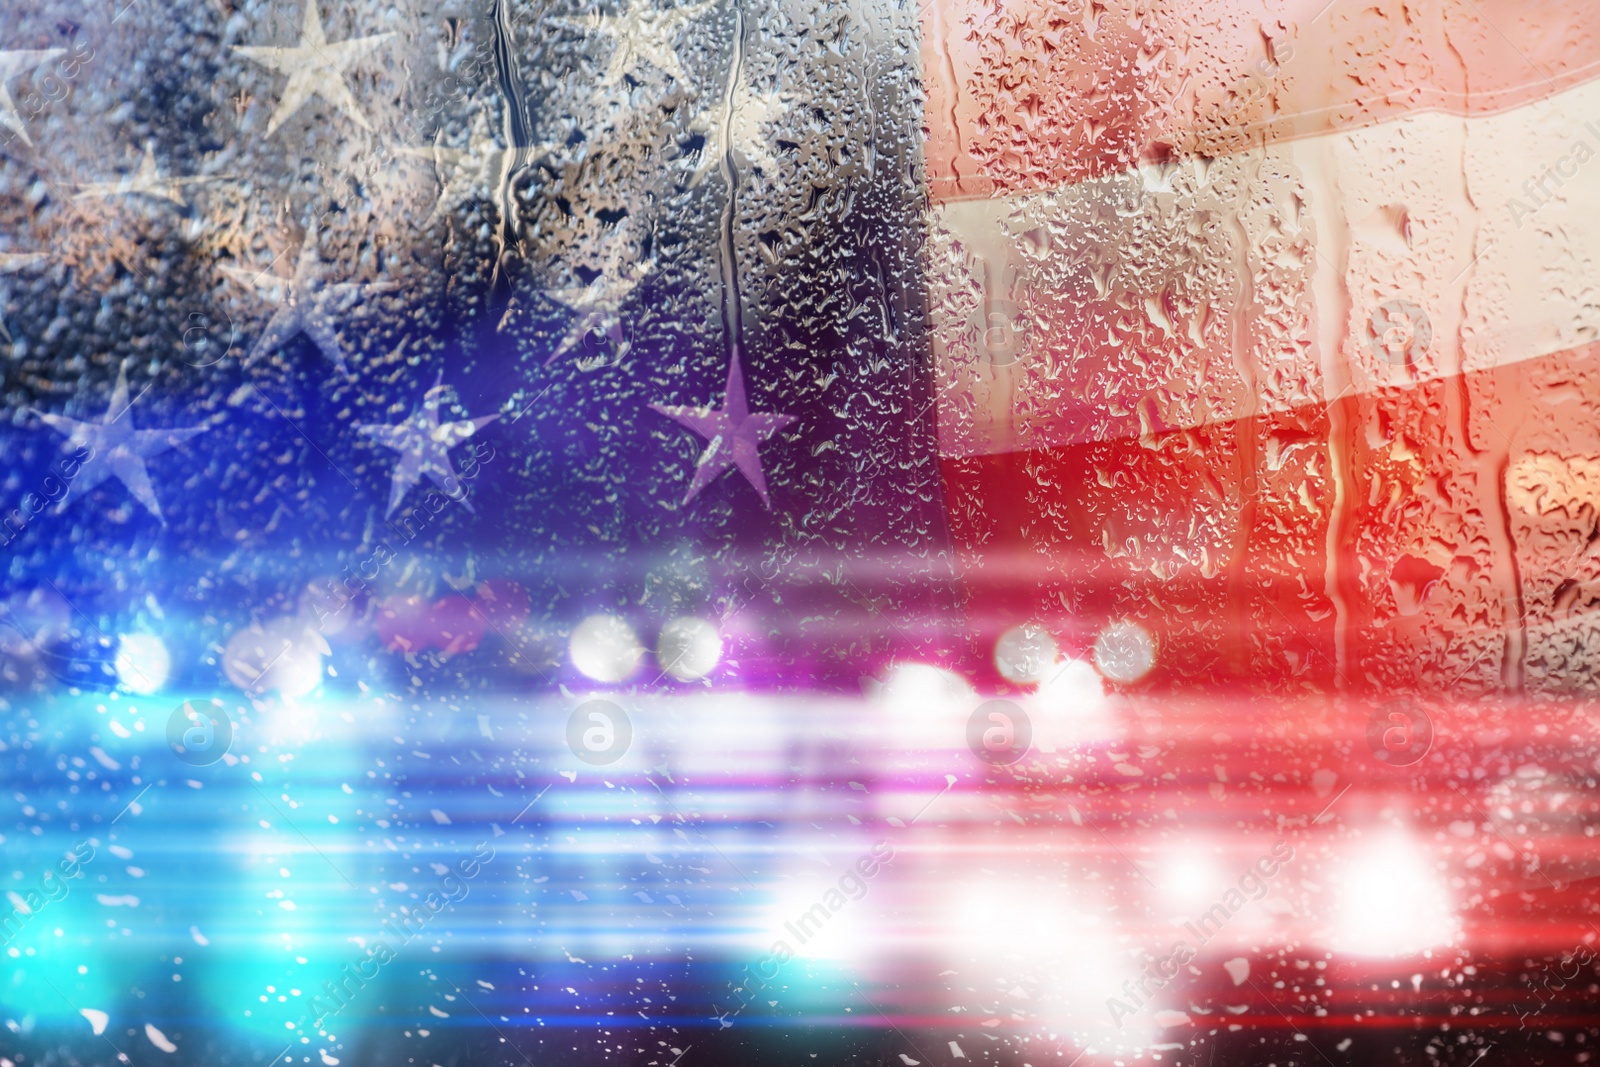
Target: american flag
x: 1011, y: 531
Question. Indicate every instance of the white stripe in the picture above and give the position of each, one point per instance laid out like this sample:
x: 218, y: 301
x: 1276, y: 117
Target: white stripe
x: 1132, y: 281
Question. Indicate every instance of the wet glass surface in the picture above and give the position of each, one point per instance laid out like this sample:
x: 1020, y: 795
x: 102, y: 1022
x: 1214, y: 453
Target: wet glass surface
x: 1025, y: 532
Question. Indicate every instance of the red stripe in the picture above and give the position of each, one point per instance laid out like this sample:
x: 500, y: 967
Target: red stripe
x: 1459, y: 555
x: 1032, y: 94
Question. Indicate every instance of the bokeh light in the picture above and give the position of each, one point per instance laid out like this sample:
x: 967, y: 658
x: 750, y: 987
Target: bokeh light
x: 142, y: 662
x: 688, y: 648
x: 605, y: 648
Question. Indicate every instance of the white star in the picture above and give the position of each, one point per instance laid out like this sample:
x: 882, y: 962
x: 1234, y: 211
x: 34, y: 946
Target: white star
x: 599, y: 306
x: 733, y: 435
x: 119, y: 448
x: 642, y: 34
x: 424, y: 445
x: 300, y: 302
x: 147, y: 181
x: 315, y: 68
x: 13, y: 64
x: 751, y: 112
